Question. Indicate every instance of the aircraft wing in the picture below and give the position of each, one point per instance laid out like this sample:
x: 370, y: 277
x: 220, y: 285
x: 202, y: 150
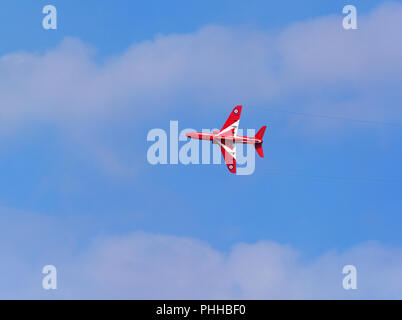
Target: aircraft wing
x: 232, y: 123
x: 228, y: 148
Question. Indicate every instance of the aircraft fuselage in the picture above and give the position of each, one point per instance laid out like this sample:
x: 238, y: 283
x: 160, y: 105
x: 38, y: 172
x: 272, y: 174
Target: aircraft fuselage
x: 216, y: 137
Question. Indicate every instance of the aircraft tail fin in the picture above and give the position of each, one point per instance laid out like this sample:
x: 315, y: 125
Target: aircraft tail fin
x: 260, y: 133
x: 258, y: 146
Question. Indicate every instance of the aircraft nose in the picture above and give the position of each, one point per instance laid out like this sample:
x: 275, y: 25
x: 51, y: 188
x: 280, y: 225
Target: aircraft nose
x: 190, y: 134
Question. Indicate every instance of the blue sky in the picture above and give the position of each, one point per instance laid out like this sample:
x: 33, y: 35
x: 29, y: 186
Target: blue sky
x: 113, y: 27
x: 78, y: 102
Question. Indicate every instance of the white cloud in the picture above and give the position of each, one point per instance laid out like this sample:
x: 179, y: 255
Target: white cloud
x: 320, y: 52
x: 155, y: 266
x: 143, y: 265
x: 314, y: 60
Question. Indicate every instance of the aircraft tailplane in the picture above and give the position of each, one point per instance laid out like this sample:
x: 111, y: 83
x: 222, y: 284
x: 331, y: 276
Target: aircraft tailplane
x: 258, y: 146
x: 260, y: 133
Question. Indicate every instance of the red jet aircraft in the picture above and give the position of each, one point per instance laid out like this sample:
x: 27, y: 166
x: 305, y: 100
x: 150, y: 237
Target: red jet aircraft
x: 227, y: 138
